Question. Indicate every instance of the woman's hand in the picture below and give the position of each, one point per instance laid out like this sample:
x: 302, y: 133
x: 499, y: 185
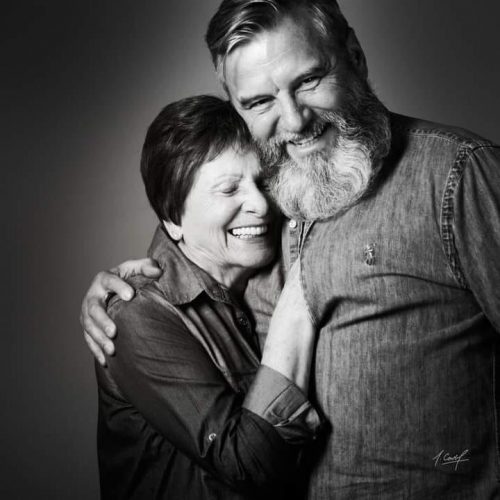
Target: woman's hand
x: 291, y: 337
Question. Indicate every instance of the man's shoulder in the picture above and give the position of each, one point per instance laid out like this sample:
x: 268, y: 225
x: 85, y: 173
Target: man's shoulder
x: 420, y: 129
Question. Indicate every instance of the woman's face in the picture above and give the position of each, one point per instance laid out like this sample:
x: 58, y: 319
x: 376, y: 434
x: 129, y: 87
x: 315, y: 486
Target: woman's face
x: 226, y: 225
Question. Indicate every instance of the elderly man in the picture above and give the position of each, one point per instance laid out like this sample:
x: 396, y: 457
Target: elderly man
x: 397, y: 224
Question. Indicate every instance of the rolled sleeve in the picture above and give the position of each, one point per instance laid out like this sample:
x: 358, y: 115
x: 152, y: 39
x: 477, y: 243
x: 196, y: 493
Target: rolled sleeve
x: 282, y: 404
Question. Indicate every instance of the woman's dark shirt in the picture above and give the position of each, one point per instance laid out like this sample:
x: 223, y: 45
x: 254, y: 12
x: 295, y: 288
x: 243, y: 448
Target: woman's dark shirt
x: 185, y: 409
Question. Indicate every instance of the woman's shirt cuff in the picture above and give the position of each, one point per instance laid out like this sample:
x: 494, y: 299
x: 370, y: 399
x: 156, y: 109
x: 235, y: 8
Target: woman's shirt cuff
x: 276, y: 399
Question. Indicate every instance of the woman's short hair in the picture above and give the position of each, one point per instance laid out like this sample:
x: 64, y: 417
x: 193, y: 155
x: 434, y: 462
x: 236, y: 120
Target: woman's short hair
x: 185, y: 135
x: 237, y: 22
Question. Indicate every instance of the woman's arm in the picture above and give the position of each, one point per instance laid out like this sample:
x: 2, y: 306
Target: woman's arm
x: 291, y: 337
x: 166, y: 374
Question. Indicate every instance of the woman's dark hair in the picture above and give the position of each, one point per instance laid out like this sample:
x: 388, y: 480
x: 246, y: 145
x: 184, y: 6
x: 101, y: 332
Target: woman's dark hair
x: 185, y: 135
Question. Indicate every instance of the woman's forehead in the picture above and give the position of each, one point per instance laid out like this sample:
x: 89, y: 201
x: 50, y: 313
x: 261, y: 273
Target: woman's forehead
x: 232, y: 161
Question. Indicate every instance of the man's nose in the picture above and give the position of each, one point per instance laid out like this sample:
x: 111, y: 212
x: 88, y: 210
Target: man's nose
x: 294, y: 116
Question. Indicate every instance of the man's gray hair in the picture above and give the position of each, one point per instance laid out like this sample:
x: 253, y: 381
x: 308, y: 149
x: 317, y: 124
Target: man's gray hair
x: 237, y: 22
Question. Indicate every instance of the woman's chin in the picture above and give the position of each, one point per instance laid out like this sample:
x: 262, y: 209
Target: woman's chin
x: 255, y: 257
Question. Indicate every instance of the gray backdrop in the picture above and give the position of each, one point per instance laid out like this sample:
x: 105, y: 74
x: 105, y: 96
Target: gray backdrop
x: 80, y: 83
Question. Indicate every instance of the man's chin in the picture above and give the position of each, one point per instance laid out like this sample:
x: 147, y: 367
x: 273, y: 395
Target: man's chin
x: 322, y: 185
x: 303, y: 158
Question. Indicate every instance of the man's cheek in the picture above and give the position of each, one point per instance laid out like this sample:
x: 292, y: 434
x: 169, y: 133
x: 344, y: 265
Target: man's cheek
x: 260, y: 126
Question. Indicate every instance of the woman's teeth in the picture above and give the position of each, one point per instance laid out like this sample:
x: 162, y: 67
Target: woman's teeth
x: 249, y: 231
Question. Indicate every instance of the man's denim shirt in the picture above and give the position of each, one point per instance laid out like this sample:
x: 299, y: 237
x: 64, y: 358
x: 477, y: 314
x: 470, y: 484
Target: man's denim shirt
x: 405, y: 288
x: 185, y: 409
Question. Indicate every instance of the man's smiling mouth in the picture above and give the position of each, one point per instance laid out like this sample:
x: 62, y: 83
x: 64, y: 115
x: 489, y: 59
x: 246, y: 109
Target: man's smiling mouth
x: 307, y: 141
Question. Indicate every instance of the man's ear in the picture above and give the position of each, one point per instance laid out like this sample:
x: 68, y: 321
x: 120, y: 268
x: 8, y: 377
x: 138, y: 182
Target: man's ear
x: 356, y: 54
x: 173, y: 230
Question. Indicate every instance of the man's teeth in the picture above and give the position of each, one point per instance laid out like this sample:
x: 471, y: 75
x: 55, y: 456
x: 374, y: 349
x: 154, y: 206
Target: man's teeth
x: 248, y: 231
x: 309, y: 140
x: 305, y: 142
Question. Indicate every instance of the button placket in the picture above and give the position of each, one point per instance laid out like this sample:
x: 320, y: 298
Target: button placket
x: 243, y: 322
x: 294, y: 240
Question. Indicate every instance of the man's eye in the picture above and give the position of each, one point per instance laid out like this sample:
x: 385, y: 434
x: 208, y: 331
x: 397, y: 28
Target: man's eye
x: 310, y: 82
x: 259, y: 104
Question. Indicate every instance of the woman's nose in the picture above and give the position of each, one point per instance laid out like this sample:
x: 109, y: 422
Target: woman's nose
x: 256, y: 202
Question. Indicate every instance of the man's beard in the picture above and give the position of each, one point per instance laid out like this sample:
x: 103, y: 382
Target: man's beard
x: 325, y: 183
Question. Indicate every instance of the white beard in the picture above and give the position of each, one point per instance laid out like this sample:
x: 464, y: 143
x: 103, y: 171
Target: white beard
x: 323, y: 184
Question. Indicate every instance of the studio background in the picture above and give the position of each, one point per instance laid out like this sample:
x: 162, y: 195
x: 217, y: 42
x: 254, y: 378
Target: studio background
x: 80, y: 83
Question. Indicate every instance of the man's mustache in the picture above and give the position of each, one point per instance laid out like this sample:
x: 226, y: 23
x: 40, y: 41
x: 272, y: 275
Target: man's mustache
x: 314, y: 129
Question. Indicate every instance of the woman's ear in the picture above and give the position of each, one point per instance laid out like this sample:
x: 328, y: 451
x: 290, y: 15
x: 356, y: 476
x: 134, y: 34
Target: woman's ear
x: 173, y: 230
x: 356, y: 54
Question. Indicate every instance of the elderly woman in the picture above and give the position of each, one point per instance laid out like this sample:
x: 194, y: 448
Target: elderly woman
x: 186, y: 407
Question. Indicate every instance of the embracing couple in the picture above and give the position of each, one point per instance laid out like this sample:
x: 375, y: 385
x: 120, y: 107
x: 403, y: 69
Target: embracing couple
x: 371, y: 372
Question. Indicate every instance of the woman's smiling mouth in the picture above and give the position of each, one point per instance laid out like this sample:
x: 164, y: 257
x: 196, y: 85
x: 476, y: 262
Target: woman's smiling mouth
x: 248, y: 232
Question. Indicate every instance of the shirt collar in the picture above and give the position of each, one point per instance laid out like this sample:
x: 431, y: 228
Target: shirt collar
x: 182, y: 280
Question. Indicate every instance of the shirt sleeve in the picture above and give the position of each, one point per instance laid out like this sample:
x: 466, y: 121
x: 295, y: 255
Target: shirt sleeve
x: 476, y: 228
x: 280, y: 402
x: 167, y: 375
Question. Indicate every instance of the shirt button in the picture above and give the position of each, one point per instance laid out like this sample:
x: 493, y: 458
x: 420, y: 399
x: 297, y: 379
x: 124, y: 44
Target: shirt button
x: 211, y: 437
x: 292, y: 224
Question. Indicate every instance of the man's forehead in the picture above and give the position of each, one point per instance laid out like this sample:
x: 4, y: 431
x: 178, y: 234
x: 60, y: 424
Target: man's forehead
x: 286, y: 49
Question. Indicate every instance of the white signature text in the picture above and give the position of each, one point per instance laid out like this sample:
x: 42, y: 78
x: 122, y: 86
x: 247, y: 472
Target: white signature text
x: 444, y: 458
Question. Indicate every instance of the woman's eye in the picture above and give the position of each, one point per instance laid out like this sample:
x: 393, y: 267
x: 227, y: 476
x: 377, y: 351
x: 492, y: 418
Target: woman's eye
x: 229, y: 189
